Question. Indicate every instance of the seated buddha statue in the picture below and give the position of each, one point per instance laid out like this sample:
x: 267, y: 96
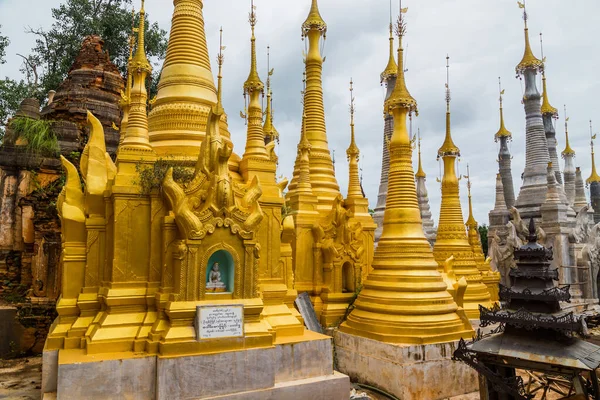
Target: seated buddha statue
x: 215, y: 284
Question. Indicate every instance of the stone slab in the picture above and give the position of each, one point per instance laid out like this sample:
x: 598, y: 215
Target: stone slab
x: 197, y: 377
x: 303, y: 360
x: 331, y: 387
x: 307, y: 311
x: 131, y: 378
x: 49, y: 371
x: 410, y: 372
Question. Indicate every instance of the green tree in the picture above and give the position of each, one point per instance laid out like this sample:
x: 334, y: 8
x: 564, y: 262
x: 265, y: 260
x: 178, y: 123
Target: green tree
x: 483, y: 234
x: 4, y: 42
x: 56, y: 48
x: 11, y: 94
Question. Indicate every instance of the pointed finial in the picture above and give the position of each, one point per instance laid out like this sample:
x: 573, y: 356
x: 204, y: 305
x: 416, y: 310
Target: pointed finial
x: 351, y: 102
x: 471, y: 222
x: 401, y: 97
x: 314, y: 21
x: 268, y: 127
x: 448, y: 148
x: 529, y: 61
x: 253, y: 83
x: 220, y: 59
x: 140, y: 60
x: 594, y: 177
x: 420, y: 172
x: 532, y: 232
x: 502, y: 132
x: 353, y: 150
x: 448, y: 98
x: 568, y: 150
x: 391, y: 70
x: 132, y: 35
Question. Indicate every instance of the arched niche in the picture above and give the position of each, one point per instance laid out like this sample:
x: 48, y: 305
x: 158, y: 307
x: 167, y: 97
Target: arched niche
x: 226, y: 268
x: 348, y: 278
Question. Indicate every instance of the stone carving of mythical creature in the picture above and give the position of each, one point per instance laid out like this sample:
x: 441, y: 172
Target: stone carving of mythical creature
x: 582, y: 226
x: 591, y: 256
x: 502, y: 248
x: 212, y: 198
x: 522, y: 230
x: 337, y: 235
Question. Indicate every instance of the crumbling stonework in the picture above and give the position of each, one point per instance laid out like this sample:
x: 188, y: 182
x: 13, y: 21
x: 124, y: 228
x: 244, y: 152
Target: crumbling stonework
x: 95, y: 84
x: 30, y: 230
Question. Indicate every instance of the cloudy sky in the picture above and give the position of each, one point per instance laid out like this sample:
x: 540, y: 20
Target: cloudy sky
x: 483, y: 38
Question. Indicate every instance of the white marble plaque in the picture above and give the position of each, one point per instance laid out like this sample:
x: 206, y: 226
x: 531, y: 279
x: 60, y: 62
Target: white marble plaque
x: 219, y: 321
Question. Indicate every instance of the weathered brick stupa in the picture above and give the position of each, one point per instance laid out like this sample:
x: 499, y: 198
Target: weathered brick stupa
x: 93, y: 84
x: 31, y: 179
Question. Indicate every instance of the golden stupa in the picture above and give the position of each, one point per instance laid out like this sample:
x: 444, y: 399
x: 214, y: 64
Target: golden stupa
x: 489, y: 277
x: 452, y: 237
x: 142, y: 257
x: 404, y: 298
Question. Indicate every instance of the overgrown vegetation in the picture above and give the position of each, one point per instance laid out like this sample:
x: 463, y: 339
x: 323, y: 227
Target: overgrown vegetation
x: 151, y: 177
x: 38, y: 135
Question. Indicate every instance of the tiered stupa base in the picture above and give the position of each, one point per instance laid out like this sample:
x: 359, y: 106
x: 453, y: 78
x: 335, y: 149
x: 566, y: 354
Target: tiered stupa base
x: 409, y: 372
x: 301, y: 368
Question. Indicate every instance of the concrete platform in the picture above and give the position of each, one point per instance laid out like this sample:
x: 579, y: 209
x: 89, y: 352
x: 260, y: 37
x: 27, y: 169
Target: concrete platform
x: 409, y: 372
x: 300, y: 369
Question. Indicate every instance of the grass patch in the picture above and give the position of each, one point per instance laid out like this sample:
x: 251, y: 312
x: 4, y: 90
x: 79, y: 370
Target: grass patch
x: 40, y: 138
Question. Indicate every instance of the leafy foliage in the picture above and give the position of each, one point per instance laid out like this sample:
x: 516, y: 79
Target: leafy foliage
x: 4, y: 42
x: 56, y: 49
x: 11, y: 94
x: 151, y: 177
x: 483, y: 234
x: 37, y: 133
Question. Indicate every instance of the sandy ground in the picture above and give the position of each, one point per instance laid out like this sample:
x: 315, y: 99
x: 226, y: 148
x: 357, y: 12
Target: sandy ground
x: 21, y: 378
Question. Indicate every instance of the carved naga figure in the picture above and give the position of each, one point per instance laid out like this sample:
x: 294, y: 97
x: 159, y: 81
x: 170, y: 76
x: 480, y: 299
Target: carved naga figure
x: 582, y: 226
x: 502, y: 248
x: 591, y: 255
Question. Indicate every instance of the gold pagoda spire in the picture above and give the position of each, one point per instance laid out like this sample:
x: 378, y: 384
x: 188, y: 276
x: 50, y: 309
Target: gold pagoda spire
x: 401, y: 97
x: 420, y: 172
x: 186, y: 90
x: 502, y: 132
x: 452, y: 238
x: 529, y: 60
x: 303, y: 163
x: 353, y: 153
x: 125, y: 101
x: 314, y: 21
x: 594, y: 177
x: 269, y: 130
x: 253, y: 88
x: 404, y: 298
x: 391, y: 70
x: 547, y: 109
x: 448, y: 147
x: 471, y: 222
x: 136, y: 135
x: 220, y: 59
x: 322, y: 171
x: 568, y: 150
